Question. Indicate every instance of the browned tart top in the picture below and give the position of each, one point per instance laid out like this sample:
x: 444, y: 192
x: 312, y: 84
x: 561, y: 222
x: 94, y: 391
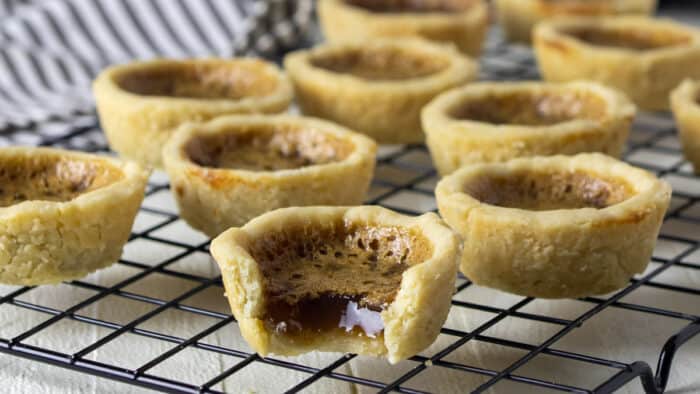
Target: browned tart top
x: 199, y: 81
x: 267, y: 148
x: 413, y: 6
x: 548, y: 191
x: 530, y: 109
x: 380, y: 63
x: 629, y: 38
x: 51, y: 179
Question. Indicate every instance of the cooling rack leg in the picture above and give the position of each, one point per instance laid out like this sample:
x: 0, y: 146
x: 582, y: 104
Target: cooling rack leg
x: 639, y: 368
x: 663, y: 368
x: 651, y: 384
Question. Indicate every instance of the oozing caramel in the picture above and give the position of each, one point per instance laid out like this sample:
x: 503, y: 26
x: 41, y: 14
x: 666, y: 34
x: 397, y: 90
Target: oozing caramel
x: 548, y: 191
x: 267, y: 149
x: 380, y: 63
x: 413, y: 6
x: 530, y: 109
x: 630, y: 38
x: 311, y: 275
x: 51, y: 179
x: 199, y: 81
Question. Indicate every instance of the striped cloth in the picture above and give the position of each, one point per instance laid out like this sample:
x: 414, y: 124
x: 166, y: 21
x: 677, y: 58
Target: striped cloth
x: 7, y: 7
x: 50, y: 50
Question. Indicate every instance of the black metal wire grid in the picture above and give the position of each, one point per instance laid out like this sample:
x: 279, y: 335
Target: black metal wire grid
x: 404, y: 182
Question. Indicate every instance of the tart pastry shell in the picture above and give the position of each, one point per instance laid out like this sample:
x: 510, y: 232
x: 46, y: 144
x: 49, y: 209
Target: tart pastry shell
x: 647, y: 76
x: 588, y: 117
x: 411, y: 322
x: 558, y: 253
x: 518, y: 17
x: 213, y: 199
x: 74, y: 228
x: 388, y: 110
x: 141, y: 104
x: 686, y: 109
x: 341, y: 21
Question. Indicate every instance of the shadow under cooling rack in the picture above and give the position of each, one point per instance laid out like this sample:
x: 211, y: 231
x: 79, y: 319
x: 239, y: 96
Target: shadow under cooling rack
x: 491, y: 340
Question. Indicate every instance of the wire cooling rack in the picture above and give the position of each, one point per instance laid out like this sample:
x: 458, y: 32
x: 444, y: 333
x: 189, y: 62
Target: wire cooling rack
x: 163, y: 251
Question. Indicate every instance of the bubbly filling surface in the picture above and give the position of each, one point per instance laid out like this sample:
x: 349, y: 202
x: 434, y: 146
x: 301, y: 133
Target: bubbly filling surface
x: 200, y: 81
x: 267, y: 148
x: 338, y: 277
x: 640, y: 39
x: 530, y: 109
x: 413, y: 6
x: 51, y: 179
x: 577, y: 7
x: 380, y: 63
x: 549, y: 191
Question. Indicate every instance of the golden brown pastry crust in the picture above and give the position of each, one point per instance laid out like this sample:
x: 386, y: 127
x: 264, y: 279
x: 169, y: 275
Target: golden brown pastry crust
x: 466, y: 29
x: 499, y: 121
x: 64, y: 214
x: 382, y: 106
x: 644, y: 58
x: 595, y: 247
x: 518, y: 17
x: 686, y: 109
x: 213, y: 199
x: 140, y: 104
x: 411, y: 322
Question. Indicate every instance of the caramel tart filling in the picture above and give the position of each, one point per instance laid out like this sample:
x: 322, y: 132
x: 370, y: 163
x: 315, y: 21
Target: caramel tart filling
x: 530, y: 109
x: 413, y: 6
x: 199, y: 81
x: 337, y: 278
x: 549, y: 191
x: 628, y: 38
x: 51, y: 179
x: 380, y: 63
x: 267, y: 149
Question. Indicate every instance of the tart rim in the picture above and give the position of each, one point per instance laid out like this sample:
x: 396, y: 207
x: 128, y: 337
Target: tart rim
x: 301, y: 61
x: 685, y: 107
x: 228, y: 125
x: 129, y: 170
x: 107, y: 80
x: 436, y: 113
x: 643, y: 185
x: 550, y: 33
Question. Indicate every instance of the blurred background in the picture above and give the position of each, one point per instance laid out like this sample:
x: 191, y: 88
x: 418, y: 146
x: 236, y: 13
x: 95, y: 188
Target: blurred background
x: 50, y: 50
